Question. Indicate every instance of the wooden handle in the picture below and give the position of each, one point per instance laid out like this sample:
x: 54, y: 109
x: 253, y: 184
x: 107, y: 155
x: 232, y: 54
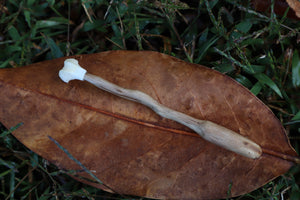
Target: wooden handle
x: 210, y: 131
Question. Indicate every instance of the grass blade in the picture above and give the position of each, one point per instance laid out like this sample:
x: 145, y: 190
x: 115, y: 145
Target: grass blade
x: 296, y: 69
x: 264, y: 79
x: 74, y: 159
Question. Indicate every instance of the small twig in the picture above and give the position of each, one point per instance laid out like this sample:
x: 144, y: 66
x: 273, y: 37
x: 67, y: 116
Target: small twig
x: 108, y: 8
x: 279, y: 109
x: 210, y: 131
x: 119, y: 46
x: 87, y: 12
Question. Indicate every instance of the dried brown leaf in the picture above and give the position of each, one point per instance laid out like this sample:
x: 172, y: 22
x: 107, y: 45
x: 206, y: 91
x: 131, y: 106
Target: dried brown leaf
x: 129, y: 147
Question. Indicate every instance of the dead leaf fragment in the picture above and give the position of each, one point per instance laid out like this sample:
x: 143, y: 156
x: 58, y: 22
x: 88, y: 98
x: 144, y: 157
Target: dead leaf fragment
x: 295, y: 5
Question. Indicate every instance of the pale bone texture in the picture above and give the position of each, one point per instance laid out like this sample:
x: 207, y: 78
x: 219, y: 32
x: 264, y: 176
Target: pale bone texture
x: 210, y: 131
x: 71, y: 71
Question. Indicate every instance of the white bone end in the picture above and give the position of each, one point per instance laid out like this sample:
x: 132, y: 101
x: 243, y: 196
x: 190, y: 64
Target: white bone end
x: 71, y: 71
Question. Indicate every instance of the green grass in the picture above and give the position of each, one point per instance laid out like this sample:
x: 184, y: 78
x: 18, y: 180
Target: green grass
x: 259, y: 50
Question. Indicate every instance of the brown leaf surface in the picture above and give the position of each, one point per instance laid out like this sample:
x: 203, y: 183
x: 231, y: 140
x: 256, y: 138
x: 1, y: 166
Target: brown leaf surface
x: 129, y: 147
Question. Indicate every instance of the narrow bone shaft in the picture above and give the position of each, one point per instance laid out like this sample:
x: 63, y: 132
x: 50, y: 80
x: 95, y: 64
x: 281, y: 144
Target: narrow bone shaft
x: 210, y: 131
